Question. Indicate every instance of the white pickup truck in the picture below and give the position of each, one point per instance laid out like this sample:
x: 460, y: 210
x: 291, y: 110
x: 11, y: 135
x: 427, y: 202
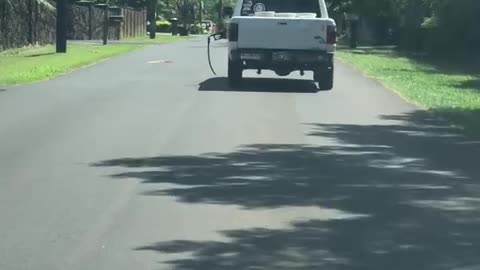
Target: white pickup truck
x: 283, y: 36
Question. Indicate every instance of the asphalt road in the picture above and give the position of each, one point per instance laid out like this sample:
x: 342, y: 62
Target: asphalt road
x: 147, y: 161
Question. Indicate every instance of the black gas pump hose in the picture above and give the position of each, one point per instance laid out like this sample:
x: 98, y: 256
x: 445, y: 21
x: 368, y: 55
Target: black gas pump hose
x: 208, y: 54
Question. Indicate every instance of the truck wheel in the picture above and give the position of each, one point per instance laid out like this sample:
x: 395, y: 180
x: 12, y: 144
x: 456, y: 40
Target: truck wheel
x: 235, y: 72
x: 324, y: 78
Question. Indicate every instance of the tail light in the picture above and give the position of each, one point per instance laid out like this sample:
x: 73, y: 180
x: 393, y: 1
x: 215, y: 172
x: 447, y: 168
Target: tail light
x: 331, y: 34
x: 233, y: 32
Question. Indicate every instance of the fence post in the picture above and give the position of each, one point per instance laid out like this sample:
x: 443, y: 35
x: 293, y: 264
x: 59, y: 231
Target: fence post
x: 36, y: 22
x: 105, y: 25
x: 61, y: 26
x: 124, y: 23
x: 132, y: 24
x: 30, y: 21
x: 90, y: 22
x: 134, y: 15
x: 144, y: 22
x: 122, y: 32
x: 2, y: 15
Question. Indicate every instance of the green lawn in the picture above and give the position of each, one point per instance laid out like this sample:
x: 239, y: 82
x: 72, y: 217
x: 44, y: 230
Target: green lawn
x: 449, y: 88
x: 33, y: 64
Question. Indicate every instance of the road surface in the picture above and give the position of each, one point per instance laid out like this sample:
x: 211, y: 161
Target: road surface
x: 147, y: 161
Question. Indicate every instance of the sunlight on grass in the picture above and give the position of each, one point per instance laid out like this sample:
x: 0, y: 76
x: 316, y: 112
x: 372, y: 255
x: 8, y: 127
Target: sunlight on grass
x: 443, y: 87
x: 33, y: 64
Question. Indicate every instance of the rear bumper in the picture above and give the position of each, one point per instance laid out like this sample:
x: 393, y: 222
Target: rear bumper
x: 272, y: 59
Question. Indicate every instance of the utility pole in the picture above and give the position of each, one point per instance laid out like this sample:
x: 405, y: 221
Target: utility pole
x: 152, y: 14
x: 220, y: 11
x: 220, y: 24
x: 201, y: 12
x: 61, y: 35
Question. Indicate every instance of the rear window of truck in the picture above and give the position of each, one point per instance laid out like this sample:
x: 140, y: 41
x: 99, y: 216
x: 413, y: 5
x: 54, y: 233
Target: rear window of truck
x: 295, y: 6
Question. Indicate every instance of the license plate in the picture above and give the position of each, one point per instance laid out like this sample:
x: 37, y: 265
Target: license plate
x: 250, y: 56
x: 281, y: 56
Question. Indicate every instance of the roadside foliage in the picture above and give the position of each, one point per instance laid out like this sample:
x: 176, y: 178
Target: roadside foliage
x: 429, y: 25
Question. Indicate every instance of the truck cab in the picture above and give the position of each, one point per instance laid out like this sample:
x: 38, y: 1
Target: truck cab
x: 283, y: 36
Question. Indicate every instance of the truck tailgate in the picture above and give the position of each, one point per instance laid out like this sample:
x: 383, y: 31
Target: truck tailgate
x: 282, y: 33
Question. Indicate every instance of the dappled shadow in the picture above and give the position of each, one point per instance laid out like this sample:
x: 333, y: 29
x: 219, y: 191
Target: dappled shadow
x: 261, y: 85
x: 450, y: 65
x: 3, y: 90
x: 473, y: 84
x: 40, y: 54
x: 468, y: 119
x: 410, y: 183
x: 412, y: 71
x: 372, y: 50
x: 352, y: 244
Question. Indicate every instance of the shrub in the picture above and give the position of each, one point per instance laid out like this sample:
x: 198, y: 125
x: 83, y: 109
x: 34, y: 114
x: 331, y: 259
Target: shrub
x: 163, y: 26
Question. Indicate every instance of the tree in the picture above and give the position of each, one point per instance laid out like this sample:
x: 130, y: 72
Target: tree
x: 166, y: 9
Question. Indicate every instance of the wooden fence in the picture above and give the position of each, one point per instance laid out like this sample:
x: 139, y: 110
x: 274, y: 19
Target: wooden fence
x: 134, y: 24
x: 86, y: 23
x: 33, y: 22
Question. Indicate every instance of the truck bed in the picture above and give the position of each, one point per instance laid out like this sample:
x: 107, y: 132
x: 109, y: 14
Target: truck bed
x: 282, y: 33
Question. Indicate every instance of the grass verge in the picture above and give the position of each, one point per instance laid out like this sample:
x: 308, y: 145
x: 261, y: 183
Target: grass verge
x: 450, y: 88
x: 27, y: 65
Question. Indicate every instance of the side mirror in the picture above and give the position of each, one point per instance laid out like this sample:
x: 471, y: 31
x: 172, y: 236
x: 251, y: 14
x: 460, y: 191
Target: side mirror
x: 228, y: 12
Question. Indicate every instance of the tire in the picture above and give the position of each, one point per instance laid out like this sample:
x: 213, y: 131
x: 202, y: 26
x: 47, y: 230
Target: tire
x: 324, y: 78
x: 235, y: 73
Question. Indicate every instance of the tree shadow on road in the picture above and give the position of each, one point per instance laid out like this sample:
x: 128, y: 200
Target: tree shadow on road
x: 412, y: 182
x: 261, y: 85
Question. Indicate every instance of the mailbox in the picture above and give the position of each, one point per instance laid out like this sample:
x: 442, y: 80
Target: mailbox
x: 115, y: 15
x: 84, y: 3
x: 174, y: 22
x: 116, y: 18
